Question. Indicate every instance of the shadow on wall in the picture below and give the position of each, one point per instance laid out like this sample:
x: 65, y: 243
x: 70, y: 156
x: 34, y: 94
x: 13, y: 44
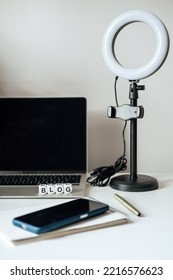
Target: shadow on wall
x: 105, y: 142
x: 8, y: 89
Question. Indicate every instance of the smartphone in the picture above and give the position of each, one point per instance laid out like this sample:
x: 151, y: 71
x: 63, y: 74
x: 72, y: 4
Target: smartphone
x: 61, y: 215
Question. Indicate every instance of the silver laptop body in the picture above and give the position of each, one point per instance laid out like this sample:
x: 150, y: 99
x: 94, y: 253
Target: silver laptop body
x: 42, y: 140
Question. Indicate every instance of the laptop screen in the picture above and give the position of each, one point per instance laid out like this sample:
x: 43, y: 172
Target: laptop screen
x: 43, y: 134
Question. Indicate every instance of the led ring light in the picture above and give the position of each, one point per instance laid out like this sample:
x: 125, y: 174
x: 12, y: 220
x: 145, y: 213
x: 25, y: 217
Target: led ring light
x: 160, y: 53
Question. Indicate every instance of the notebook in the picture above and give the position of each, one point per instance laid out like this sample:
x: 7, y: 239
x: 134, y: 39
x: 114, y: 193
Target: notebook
x: 43, y: 147
x: 13, y: 235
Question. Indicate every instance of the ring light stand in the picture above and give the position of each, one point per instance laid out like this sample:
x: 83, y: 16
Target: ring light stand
x: 133, y: 181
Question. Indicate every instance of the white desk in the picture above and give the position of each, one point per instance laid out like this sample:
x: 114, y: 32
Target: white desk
x: 144, y: 238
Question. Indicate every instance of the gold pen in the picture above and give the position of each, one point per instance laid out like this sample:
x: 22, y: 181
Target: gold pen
x: 127, y: 204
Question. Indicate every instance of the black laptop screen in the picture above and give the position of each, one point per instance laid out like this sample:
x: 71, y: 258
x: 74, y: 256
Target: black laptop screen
x: 43, y: 134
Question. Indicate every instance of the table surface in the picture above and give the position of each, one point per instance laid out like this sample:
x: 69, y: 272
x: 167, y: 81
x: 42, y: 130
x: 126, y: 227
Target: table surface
x: 147, y: 237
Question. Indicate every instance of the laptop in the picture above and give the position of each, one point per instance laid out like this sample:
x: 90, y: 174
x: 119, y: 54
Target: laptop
x: 43, y: 147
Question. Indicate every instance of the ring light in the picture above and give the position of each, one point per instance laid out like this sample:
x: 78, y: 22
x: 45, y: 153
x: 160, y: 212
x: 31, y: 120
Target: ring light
x: 159, y: 56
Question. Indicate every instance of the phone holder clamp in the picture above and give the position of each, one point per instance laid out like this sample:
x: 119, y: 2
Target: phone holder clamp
x: 125, y: 112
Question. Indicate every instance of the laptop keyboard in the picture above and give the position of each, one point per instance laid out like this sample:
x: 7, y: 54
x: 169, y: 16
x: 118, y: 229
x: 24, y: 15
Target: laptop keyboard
x: 39, y: 179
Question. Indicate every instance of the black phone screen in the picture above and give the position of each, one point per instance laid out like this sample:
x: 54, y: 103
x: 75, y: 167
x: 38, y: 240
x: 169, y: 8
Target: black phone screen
x: 61, y: 212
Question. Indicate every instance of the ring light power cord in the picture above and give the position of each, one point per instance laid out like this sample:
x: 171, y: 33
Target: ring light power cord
x: 101, y: 176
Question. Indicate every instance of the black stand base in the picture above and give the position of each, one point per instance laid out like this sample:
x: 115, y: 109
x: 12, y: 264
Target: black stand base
x: 140, y: 184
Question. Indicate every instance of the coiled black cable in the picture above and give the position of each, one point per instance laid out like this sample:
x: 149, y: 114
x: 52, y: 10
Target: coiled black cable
x: 101, y: 175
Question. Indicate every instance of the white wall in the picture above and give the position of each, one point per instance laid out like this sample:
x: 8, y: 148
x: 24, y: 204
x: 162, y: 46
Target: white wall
x: 53, y: 48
